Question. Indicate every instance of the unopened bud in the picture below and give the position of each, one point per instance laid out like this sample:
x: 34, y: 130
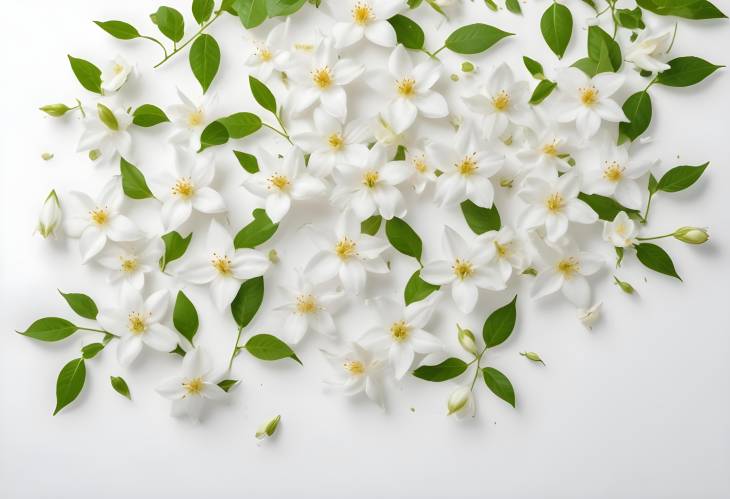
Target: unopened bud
x: 47, y: 156
x: 533, y: 357
x: 459, y: 400
x: 625, y: 286
x: 467, y: 340
x: 55, y: 110
x: 692, y: 235
x: 50, y: 216
x: 467, y: 67
x: 107, y: 117
x: 267, y: 429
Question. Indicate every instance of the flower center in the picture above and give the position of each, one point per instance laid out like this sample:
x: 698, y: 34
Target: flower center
x: 193, y: 386
x: 222, y: 264
x: 118, y: 68
x: 502, y: 249
x: 555, y: 203
x: 277, y: 181
x: 362, y: 13
x: 406, y: 87
x: 306, y: 304
x: 265, y: 54
x: 370, y: 179
x: 588, y: 95
x: 128, y: 264
x: 620, y: 230
x: 354, y: 367
x: 346, y: 248
x: 463, y: 269
x: 550, y: 149
x: 195, y: 118
x: 501, y: 101
x: 419, y: 163
x: 467, y: 166
x: 613, y: 172
x: 568, y: 267
x: 399, y: 331
x: 136, y: 323
x: 99, y: 216
x: 322, y: 77
x: 336, y: 141
x: 184, y: 188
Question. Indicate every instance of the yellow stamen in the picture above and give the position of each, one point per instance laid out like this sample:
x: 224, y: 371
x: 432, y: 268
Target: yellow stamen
x: 588, y: 95
x: 370, y: 178
x: 196, y: 118
x: 501, y: 101
x: 463, y: 269
x: 336, y: 141
x: 306, y: 304
x: 118, y: 68
x: 193, y: 386
x: 555, y: 202
x: 183, y: 188
x: 613, y: 172
x: 346, y: 248
x: 502, y: 249
x: 222, y: 264
x: 362, y: 13
x: 99, y: 216
x: 265, y: 54
x: 406, y: 87
x: 550, y: 149
x: 128, y: 264
x: 399, y: 331
x: 467, y: 166
x: 419, y: 163
x: 322, y: 77
x: 354, y: 367
x: 136, y: 323
x: 278, y: 182
x: 568, y: 267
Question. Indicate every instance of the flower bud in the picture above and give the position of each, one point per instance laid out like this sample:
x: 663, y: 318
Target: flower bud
x: 273, y: 256
x: 533, y: 357
x: 47, y: 156
x: 107, y: 117
x: 94, y: 154
x: 467, y: 340
x: 50, y: 216
x: 467, y: 67
x: 625, y: 286
x: 692, y: 235
x: 268, y: 428
x: 55, y: 110
x: 460, y: 400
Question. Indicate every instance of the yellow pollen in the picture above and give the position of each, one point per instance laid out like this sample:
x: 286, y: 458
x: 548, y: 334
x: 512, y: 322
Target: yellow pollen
x: 555, y: 202
x: 322, y: 77
x: 222, y: 264
x: 346, y: 248
x: 99, y: 216
x: 306, y: 304
x: 568, y: 267
x: 183, y: 188
x: 406, y: 87
x: 128, y: 264
x: 336, y: 141
x: 118, y: 68
x: 370, y: 178
x: 467, y: 166
x: 354, y: 367
x: 502, y: 249
x: 550, y: 149
x: 620, y: 229
x: 279, y: 182
x: 265, y: 54
x: 589, y: 95
x: 613, y: 172
x: 501, y: 101
x: 136, y: 323
x: 399, y: 331
x: 193, y: 386
x: 420, y: 165
x: 195, y: 118
x: 362, y: 13
x: 463, y: 269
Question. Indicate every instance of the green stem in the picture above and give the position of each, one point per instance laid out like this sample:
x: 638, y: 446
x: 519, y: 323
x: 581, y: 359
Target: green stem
x: 434, y: 53
x: 283, y: 134
x: 674, y: 36
x: 648, y: 206
x: 655, y: 237
x: 91, y: 329
x: 178, y: 48
x: 478, y: 359
x: 155, y: 40
x: 235, y: 348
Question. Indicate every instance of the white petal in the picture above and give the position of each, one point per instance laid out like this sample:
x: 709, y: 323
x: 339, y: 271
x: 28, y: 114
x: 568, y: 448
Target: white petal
x: 128, y: 349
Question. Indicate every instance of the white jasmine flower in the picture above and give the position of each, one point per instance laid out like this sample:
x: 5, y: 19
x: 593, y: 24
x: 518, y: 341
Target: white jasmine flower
x: 423, y: 172
x: 546, y: 152
x: 648, y: 52
x: 309, y: 306
x: 401, y: 333
x: 281, y: 181
x: 366, y: 18
x: 621, y: 232
x: 137, y: 322
x: 115, y: 74
x: 588, y: 317
x: 510, y: 251
x: 371, y: 188
x: 333, y: 145
x: 618, y: 176
x: 94, y: 221
x: 350, y: 256
x: 189, y: 391
x: 50, y: 216
x: 223, y: 266
x: 129, y: 262
x: 467, y: 267
x: 105, y: 133
x: 501, y: 101
x: 187, y: 188
x: 466, y: 168
x: 271, y: 54
x: 189, y: 118
x: 321, y: 80
x: 565, y: 268
x: 461, y: 403
x: 357, y: 371
x: 407, y: 88
x: 554, y: 204
x: 587, y: 101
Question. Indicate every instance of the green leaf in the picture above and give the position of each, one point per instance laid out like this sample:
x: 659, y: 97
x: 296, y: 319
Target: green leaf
x: 534, y: 67
x: 655, y: 258
x: 597, y: 37
x: 88, y: 75
x: 513, y: 6
x: 499, y: 384
x: 257, y: 232
x: 247, y: 161
x: 82, y: 304
x: 170, y: 23
x: 686, y: 71
x: 481, y: 220
x: 251, y: 12
x: 69, y: 383
x: 283, y: 7
x: 262, y: 94
x: 202, y: 10
x: 637, y: 109
x: 408, y: 32
x: 371, y: 225
x: 653, y: 185
x: 214, y: 134
x: 205, y: 58
x: 592, y: 67
x: 557, y: 28
x: 119, y: 29
x: 240, y: 125
x: 630, y: 19
x: 247, y: 301
x: 50, y: 329
x: 227, y: 384
x: 414, y: 3
x: 448, y: 369
x: 268, y: 347
x: 134, y: 184
x: 91, y: 350
x: 106, y: 116
x: 500, y: 324
x: 542, y: 91
x: 474, y: 38
x: 175, y: 247
x: 417, y: 289
x: 689, y: 9
x: 403, y: 237
x: 185, y: 317
x: 605, y: 207
x: 680, y: 177
x: 120, y: 386
x: 148, y: 115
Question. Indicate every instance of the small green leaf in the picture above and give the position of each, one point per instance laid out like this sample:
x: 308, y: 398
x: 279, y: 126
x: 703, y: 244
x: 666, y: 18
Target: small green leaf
x: 119, y: 29
x: 637, y: 109
x: 481, y: 220
x: 257, y: 232
x: 513, y: 6
x: 592, y: 67
x: 499, y: 384
x: 500, y: 324
x: 170, y: 23
x: 689, y: 9
x: 247, y: 161
x: 597, y: 37
x: 277, y: 8
x: 227, y: 384
x: 134, y: 184
x: 630, y: 19
x: 240, y: 125
x: 88, y: 75
x: 120, y: 386
x: 403, y: 237
x: 534, y: 67
x: 148, y: 115
x: 655, y: 258
x: 202, y: 10
x: 205, y: 59
x: 262, y: 94
x: 268, y: 347
x: 417, y: 289
x: 408, y: 32
x: 185, y: 317
x: 248, y: 301
x: 50, y: 329
x: 107, y: 117
x: 371, y: 225
x: 542, y: 91
x: 82, y: 304
x: 69, y: 383
x: 448, y: 369
x: 474, y: 38
x: 175, y: 247
x: 91, y: 350
x: 557, y: 28
x: 251, y: 12
x: 686, y: 71
x: 680, y: 178
x: 653, y: 185
x: 214, y: 134
x: 605, y: 207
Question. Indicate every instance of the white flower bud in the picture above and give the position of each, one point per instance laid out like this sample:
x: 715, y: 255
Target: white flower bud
x: 50, y: 217
x: 588, y: 317
x: 268, y: 428
x: 467, y: 340
x: 460, y: 401
x: 692, y: 235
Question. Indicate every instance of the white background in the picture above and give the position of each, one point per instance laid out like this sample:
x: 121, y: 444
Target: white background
x: 638, y: 407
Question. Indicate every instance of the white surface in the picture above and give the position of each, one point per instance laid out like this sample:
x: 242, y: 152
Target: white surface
x: 637, y: 408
